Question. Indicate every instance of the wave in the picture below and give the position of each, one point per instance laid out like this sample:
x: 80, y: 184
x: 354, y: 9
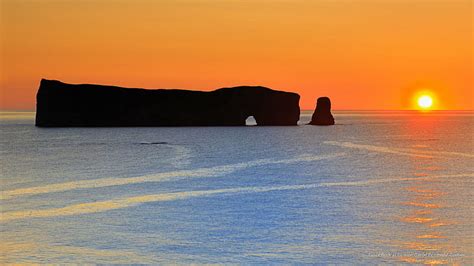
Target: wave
x: 400, y: 151
x: 121, y: 203
x: 448, y: 153
x: 160, y: 177
x: 375, y: 148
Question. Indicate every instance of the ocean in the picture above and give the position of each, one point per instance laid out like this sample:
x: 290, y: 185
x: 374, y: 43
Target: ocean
x: 379, y: 187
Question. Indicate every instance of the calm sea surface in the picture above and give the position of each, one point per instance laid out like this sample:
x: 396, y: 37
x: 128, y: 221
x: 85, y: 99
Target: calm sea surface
x: 378, y: 187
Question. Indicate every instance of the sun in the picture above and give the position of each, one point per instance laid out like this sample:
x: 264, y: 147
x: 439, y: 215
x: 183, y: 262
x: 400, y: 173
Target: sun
x: 425, y: 101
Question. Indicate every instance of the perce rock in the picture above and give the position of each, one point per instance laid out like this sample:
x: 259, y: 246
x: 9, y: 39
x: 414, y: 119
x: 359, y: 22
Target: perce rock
x: 66, y: 105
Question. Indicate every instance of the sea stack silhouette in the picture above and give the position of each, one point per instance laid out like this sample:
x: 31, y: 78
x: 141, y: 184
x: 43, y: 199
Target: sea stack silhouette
x: 85, y: 105
x: 322, y: 114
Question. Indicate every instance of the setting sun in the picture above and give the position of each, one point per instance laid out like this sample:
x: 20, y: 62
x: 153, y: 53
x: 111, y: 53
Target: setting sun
x: 425, y: 101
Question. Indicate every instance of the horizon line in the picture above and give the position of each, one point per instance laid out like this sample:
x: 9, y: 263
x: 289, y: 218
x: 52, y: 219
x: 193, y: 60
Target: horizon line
x: 363, y: 110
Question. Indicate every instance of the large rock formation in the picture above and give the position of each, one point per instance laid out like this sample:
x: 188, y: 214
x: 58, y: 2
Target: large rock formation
x: 322, y: 114
x: 63, y: 105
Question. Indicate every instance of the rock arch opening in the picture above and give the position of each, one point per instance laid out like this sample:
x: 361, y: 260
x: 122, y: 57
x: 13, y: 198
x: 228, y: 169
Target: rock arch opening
x: 250, y: 121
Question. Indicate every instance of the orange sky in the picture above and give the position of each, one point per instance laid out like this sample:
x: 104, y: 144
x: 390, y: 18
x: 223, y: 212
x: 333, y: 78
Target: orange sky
x: 364, y: 54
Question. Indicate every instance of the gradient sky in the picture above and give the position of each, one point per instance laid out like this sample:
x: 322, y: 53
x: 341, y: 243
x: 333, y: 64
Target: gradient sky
x: 363, y: 54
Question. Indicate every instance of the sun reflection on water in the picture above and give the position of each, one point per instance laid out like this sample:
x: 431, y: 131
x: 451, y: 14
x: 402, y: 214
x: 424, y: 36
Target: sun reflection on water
x: 425, y: 202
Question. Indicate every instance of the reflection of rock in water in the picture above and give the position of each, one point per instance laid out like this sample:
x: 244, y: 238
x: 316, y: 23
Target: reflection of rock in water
x: 322, y: 114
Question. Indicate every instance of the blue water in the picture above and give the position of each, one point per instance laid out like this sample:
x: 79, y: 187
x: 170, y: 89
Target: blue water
x: 378, y: 187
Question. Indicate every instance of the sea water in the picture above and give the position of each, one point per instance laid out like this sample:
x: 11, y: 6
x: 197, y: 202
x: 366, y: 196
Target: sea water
x: 378, y: 187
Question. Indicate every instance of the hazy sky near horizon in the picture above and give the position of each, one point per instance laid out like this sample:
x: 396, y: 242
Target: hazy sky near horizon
x: 364, y: 54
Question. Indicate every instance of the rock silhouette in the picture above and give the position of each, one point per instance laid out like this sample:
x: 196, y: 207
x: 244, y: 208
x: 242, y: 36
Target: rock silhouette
x: 63, y: 105
x: 322, y: 114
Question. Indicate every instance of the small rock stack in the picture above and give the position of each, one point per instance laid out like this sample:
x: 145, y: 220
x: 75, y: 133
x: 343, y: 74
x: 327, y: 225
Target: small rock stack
x: 322, y: 114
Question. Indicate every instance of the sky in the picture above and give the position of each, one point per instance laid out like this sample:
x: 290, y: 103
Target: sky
x: 363, y: 54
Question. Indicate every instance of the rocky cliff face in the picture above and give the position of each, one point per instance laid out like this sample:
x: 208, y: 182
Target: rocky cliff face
x: 63, y: 105
x: 322, y: 114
